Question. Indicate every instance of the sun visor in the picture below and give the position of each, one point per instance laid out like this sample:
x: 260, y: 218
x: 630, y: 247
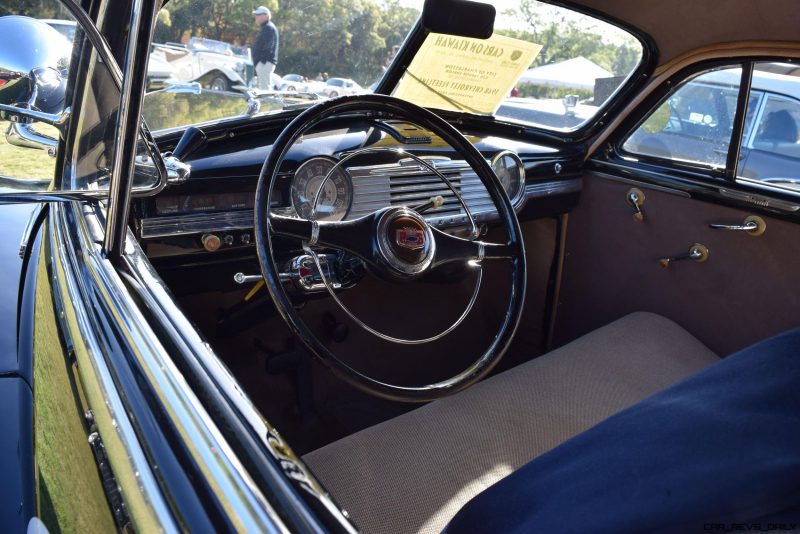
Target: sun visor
x: 459, y: 17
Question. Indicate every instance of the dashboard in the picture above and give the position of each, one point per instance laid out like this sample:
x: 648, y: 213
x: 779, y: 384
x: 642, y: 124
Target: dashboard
x: 343, y: 171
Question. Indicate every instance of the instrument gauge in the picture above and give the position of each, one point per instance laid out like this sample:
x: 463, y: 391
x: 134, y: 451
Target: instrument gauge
x: 511, y: 172
x: 335, y: 198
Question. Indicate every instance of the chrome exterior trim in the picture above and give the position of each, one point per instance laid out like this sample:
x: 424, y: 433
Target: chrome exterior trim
x: 159, y: 300
x: 124, y: 156
x: 248, y: 508
x: 11, y: 113
x: 26, y: 232
x: 104, y: 51
x: 68, y: 292
x: 23, y: 135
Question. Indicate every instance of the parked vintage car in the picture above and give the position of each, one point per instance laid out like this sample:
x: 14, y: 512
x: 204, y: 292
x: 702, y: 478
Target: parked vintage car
x: 295, y: 82
x: 406, y: 311
x: 214, y: 64
x: 694, y: 126
x: 341, y: 86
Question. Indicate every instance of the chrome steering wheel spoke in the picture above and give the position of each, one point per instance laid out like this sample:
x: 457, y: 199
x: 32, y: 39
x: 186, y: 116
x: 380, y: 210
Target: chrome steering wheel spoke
x: 450, y: 248
x: 354, y: 236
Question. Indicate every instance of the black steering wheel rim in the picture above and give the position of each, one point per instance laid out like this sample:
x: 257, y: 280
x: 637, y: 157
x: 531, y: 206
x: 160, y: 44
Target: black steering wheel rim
x: 381, y: 105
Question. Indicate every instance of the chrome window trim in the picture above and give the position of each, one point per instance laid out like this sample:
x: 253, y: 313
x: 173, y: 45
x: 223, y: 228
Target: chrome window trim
x: 724, y: 51
x: 751, y: 135
x: 232, y: 485
x: 66, y: 290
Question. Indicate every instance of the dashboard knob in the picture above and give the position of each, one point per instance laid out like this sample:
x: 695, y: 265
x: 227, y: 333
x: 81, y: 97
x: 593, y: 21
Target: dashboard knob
x: 211, y: 242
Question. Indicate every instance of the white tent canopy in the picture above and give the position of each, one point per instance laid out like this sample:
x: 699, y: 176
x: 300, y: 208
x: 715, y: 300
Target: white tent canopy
x: 575, y: 73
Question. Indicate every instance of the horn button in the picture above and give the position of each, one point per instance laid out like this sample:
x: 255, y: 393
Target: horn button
x: 405, y: 241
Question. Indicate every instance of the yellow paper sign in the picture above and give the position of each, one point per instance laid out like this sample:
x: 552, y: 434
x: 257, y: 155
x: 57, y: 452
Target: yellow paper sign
x: 465, y: 74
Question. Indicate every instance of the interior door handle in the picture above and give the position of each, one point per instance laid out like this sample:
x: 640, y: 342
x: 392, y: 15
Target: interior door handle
x: 753, y: 225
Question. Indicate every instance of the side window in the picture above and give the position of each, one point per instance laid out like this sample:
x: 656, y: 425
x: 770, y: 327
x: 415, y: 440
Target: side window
x: 694, y: 123
x: 770, y: 153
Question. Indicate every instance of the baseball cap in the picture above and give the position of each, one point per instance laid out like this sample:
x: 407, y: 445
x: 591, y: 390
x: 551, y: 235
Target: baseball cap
x: 261, y: 10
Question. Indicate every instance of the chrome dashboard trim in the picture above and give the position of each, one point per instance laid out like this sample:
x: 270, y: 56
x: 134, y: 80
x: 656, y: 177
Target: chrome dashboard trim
x: 520, y: 167
x: 198, y: 223
x: 375, y: 196
x: 549, y: 188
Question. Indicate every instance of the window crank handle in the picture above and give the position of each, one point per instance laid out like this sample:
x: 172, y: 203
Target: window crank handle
x: 697, y: 252
x: 635, y: 198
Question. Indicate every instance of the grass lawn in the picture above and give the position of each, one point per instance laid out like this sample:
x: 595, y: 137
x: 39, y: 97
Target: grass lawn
x: 19, y: 162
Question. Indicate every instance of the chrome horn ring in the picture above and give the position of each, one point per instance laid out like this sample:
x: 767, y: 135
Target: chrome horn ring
x: 337, y: 235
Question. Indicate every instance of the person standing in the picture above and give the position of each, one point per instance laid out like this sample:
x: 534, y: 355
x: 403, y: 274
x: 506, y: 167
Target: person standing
x: 265, y: 48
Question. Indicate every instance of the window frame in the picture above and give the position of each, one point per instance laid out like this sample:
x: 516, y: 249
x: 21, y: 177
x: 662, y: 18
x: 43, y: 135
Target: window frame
x: 659, y: 97
x: 709, y: 174
x: 615, y: 104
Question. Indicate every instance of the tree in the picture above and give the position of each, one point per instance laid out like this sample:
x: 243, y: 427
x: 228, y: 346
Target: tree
x: 348, y: 38
x: 566, y: 35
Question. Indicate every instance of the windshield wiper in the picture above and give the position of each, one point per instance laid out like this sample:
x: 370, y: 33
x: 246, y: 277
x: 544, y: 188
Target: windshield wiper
x: 303, y: 99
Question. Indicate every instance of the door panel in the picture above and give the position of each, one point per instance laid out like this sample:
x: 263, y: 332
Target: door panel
x: 746, y: 291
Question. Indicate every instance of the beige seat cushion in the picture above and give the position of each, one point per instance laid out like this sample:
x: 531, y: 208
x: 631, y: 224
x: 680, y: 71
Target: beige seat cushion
x: 414, y: 472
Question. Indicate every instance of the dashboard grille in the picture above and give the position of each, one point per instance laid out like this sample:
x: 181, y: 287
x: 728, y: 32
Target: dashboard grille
x: 394, y: 185
x: 416, y: 190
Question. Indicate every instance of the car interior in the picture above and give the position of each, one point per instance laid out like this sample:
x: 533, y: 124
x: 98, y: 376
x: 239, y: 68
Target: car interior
x: 605, y: 323
x: 629, y: 291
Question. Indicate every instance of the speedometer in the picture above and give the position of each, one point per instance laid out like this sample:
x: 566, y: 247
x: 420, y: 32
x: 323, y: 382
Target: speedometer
x: 336, y: 194
x: 508, y: 167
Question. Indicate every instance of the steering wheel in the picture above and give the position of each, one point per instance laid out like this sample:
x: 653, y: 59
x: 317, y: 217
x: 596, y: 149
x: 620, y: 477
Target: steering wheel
x: 397, y: 242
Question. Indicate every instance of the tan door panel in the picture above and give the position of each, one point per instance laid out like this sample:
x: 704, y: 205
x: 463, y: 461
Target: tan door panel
x: 748, y: 289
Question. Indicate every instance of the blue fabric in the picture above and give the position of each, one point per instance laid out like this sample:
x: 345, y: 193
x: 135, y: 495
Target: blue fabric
x: 719, y: 451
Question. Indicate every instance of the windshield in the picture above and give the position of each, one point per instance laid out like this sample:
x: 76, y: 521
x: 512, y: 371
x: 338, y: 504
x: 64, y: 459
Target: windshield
x: 545, y: 65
